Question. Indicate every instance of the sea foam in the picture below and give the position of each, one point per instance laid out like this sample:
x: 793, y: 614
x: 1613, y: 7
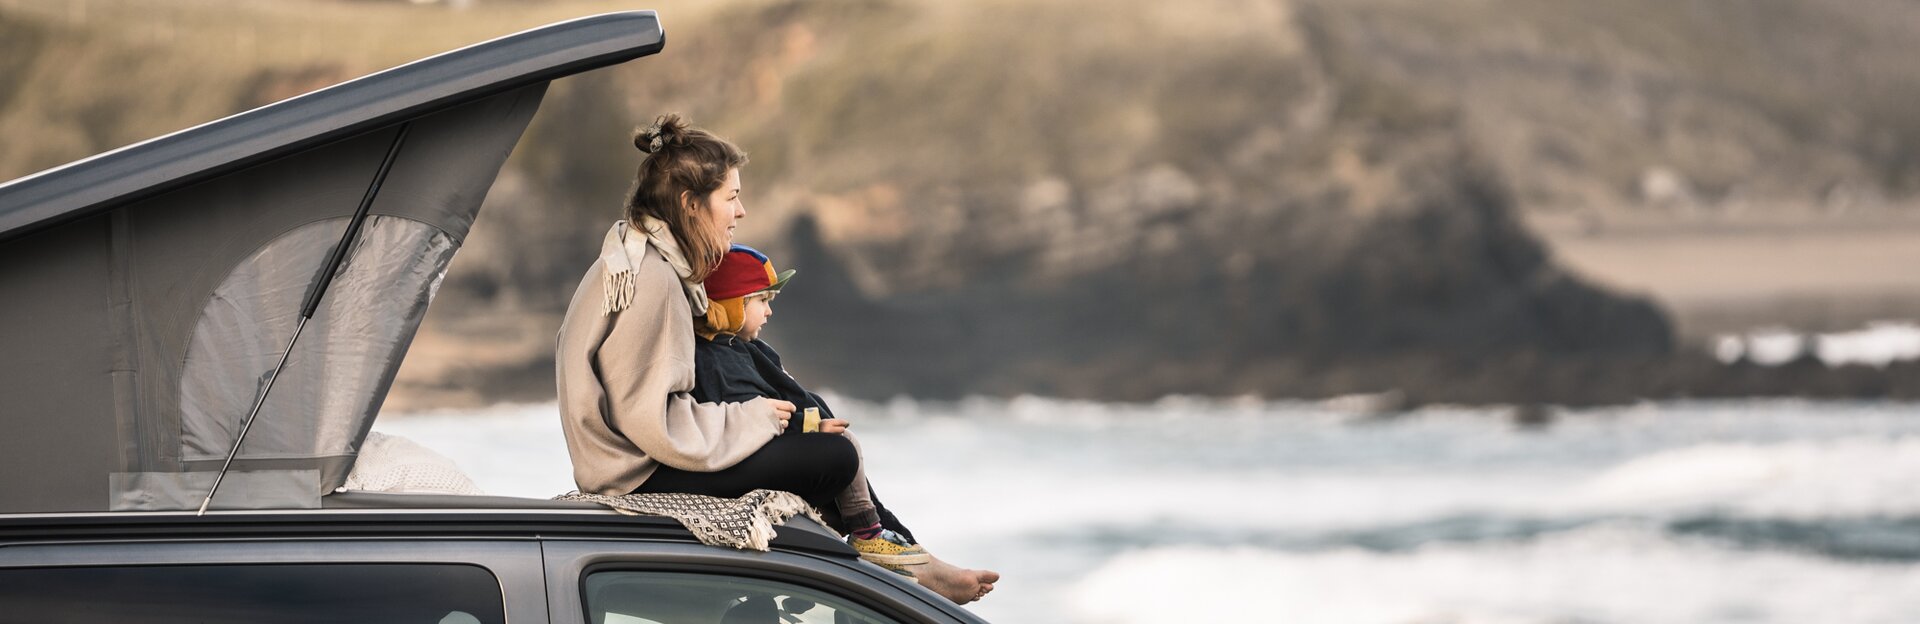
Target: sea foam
x: 1817, y: 479
x: 1612, y: 573
x: 1246, y: 510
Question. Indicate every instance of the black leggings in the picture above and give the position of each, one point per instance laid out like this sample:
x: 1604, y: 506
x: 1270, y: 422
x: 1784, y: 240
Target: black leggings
x: 815, y: 466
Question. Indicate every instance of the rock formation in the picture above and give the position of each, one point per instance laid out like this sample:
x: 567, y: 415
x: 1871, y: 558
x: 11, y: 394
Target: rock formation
x: 1104, y: 199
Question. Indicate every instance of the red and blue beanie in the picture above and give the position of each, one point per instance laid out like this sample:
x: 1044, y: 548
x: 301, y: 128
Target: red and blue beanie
x: 744, y: 271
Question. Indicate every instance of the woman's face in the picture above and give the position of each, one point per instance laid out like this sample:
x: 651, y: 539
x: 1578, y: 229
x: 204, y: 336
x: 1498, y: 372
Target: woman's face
x: 724, y: 209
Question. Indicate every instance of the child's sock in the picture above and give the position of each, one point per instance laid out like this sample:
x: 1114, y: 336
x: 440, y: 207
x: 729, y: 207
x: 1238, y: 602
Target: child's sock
x: 868, y: 532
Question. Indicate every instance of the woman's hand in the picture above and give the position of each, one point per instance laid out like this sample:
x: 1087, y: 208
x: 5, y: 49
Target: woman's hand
x: 782, y: 411
x: 833, y: 425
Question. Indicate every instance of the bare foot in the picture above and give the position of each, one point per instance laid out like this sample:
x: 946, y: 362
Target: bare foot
x: 960, y: 585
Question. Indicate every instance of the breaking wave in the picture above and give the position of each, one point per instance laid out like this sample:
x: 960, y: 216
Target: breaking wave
x: 1243, y: 510
x: 1802, y: 480
x: 1597, y: 574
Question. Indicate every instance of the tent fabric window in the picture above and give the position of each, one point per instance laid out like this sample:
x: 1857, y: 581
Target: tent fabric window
x: 345, y: 359
x: 150, y: 289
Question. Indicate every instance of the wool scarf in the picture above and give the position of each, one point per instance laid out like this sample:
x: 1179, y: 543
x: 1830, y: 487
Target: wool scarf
x: 621, y: 252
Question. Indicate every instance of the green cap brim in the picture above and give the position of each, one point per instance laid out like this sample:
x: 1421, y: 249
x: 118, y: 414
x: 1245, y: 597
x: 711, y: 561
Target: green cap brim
x: 780, y: 280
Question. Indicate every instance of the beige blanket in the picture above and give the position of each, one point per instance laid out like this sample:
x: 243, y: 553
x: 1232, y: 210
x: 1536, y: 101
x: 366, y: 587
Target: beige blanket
x: 745, y: 523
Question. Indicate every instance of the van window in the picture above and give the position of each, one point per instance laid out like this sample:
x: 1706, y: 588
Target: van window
x: 622, y: 597
x: 232, y: 594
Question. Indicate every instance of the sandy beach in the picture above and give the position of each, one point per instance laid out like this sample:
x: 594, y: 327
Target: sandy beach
x: 1728, y: 273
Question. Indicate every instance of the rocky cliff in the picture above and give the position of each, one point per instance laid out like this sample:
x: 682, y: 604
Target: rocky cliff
x: 1100, y: 199
x: 1181, y: 200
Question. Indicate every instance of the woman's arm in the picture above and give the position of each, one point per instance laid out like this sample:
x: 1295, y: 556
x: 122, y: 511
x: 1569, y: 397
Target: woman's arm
x: 645, y: 363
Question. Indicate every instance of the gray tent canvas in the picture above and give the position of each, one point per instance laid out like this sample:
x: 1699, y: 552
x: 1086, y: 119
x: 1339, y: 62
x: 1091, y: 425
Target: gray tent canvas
x: 146, y: 294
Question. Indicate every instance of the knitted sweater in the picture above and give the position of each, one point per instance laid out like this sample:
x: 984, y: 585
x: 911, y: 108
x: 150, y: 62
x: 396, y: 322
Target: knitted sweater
x: 624, y: 378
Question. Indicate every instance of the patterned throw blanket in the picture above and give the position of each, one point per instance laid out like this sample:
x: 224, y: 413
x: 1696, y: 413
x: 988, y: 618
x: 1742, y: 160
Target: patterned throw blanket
x: 744, y: 523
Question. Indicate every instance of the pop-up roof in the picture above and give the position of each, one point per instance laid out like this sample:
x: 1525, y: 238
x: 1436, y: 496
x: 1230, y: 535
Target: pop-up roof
x: 147, y: 294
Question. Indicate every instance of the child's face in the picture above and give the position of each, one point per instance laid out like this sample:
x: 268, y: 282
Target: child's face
x: 759, y: 309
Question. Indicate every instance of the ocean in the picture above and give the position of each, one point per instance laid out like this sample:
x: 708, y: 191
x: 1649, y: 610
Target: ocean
x: 1197, y: 510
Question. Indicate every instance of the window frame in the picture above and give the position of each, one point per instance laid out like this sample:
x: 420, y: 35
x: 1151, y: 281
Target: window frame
x: 569, y: 563
x: 320, y: 579
x: 513, y: 564
x: 722, y: 572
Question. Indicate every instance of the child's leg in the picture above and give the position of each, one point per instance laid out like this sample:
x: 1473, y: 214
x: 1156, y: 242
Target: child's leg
x: 862, y: 518
x: 887, y: 519
x: 856, y: 502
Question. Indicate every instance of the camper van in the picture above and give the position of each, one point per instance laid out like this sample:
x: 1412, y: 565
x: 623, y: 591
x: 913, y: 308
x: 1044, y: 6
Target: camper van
x: 258, y: 279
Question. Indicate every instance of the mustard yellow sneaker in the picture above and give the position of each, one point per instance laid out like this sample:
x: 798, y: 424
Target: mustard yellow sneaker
x: 889, y: 549
x: 902, y: 571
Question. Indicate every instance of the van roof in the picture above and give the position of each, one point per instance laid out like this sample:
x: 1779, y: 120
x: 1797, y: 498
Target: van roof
x: 390, y: 516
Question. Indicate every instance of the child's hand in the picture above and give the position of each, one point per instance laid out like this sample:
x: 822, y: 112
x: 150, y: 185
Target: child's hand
x: 833, y: 425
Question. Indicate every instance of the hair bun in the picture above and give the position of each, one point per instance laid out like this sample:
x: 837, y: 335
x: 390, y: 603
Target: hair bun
x: 648, y: 140
x: 667, y: 130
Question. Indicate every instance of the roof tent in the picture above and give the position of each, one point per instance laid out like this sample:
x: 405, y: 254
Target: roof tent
x: 148, y: 295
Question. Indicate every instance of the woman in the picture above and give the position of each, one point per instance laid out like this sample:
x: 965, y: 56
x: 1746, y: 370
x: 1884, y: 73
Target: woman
x: 624, y: 362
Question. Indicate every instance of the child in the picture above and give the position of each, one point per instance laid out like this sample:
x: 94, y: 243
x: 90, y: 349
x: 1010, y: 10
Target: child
x: 732, y: 364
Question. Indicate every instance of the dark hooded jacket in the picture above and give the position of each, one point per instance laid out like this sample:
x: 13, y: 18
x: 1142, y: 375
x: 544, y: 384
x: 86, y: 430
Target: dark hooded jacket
x: 727, y: 369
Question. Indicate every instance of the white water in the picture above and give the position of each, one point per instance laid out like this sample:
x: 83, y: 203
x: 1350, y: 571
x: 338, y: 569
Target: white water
x: 1879, y: 343
x: 1594, y: 574
x: 1248, y: 511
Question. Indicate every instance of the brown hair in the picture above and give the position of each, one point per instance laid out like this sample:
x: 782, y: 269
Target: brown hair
x: 682, y: 159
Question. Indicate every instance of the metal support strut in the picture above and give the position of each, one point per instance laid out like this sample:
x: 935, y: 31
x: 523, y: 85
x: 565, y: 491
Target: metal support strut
x: 312, y: 304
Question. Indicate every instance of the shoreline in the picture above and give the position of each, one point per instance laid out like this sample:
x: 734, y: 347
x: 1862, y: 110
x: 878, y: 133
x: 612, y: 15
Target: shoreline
x: 487, y: 368
x: 1711, y: 274
x: 1730, y: 273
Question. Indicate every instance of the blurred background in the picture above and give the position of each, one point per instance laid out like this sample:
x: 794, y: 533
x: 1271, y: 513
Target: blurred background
x: 1225, y: 310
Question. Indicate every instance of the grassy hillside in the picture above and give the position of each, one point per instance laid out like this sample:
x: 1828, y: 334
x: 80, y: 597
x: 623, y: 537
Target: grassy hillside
x: 1705, y: 105
x: 1115, y: 199
x: 1783, y: 104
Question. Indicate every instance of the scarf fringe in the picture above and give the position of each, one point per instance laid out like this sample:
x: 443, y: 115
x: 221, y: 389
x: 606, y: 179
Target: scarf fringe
x: 619, y: 292
x: 620, y: 255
